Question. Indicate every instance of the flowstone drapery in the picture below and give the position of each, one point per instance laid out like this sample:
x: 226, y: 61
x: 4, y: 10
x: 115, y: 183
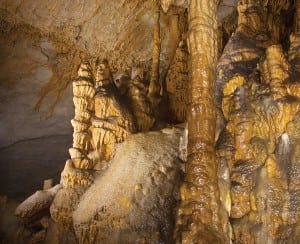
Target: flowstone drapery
x: 260, y: 104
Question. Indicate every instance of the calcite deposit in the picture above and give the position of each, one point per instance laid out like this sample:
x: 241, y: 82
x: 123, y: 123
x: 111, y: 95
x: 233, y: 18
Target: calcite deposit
x: 258, y: 104
x: 198, y: 214
x: 186, y: 119
x: 177, y: 84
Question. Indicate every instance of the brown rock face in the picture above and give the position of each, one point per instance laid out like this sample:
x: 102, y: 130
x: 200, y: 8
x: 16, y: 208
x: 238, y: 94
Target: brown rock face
x: 259, y: 105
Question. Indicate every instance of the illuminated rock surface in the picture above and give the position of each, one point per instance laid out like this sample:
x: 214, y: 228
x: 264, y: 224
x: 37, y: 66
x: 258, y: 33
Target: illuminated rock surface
x: 227, y: 70
x: 133, y: 199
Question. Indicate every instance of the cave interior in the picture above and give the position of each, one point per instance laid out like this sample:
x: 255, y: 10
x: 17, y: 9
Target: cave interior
x: 150, y: 121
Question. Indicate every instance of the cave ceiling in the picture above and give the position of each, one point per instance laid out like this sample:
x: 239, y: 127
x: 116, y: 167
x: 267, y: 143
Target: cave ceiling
x: 122, y: 30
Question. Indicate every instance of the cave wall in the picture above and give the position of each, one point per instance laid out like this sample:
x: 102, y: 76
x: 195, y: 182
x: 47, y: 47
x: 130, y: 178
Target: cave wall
x: 33, y: 139
x: 42, y: 45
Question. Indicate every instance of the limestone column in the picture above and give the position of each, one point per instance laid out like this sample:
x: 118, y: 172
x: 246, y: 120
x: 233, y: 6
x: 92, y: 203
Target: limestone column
x: 198, y: 220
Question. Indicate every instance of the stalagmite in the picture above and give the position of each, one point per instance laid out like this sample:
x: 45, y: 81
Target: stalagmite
x: 198, y: 216
x: 84, y: 92
x: 111, y: 123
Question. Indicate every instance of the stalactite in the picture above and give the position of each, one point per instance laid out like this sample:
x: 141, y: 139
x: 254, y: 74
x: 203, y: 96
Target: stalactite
x: 139, y: 103
x: 198, y: 215
x: 155, y: 86
x: 177, y: 84
x: 294, y: 53
x: 277, y: 17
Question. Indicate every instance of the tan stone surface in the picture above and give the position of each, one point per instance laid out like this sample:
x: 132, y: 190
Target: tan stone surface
x: 37, y: 204
x: 198, y: 214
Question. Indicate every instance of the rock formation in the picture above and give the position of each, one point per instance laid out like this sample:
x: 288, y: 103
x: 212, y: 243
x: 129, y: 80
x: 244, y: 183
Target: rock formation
x: 198, y: 214
x: 36, y: 205
x: 258, y: 105
x: 229, y: 173
x: 177, y: 84
x: 134, y: 200
x: 154, y: 91
x: 139, y: 102
x: 111, y: 122
x: 100, y: 122
x: 84, y: 91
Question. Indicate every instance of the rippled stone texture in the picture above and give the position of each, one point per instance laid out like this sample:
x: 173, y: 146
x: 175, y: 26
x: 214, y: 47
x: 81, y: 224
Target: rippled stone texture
x: 198, y: 214
x: 84, y: 92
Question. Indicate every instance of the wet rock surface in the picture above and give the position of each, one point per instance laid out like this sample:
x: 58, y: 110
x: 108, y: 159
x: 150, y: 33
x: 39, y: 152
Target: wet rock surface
x: 259, y: 104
